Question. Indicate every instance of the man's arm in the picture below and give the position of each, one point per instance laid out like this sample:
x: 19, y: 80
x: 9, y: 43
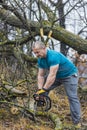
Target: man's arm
x: 41, y: 74
x: 51, y: 77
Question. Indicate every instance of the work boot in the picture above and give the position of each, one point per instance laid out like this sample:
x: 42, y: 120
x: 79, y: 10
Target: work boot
x: 78, y: 126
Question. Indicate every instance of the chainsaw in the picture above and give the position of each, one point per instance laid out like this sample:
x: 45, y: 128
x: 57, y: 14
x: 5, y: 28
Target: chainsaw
x: 42, y: 101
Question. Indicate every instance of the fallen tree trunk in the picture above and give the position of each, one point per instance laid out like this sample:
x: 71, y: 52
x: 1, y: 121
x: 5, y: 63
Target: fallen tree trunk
x: 59, y: 33
x: 10, y: 88
x: 13, y: 90
x: 53, y: 117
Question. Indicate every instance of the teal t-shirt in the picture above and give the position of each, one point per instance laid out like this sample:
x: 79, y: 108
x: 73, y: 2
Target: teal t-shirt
x: 66, y: 67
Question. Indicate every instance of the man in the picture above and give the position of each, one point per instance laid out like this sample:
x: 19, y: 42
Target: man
x: 61, y: 71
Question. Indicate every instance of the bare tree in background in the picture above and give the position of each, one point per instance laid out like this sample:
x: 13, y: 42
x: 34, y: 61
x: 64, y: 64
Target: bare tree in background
x: 26, y: 17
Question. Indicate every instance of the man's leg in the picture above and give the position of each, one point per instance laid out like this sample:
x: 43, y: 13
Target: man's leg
x: 70, y: 85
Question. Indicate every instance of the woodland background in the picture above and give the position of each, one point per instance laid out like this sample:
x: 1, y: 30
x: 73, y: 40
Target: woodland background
x: 22, y: 22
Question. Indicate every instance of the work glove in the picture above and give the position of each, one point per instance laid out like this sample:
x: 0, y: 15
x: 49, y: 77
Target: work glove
x: 43, y: 92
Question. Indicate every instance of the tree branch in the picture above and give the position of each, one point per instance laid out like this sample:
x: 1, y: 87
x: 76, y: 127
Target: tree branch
x: 59, y: 33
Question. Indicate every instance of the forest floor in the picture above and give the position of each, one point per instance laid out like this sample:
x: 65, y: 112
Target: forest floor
x: 60, y: 107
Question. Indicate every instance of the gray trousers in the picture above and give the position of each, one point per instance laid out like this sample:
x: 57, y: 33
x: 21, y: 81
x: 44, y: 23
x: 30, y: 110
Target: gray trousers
x: 70, y: 85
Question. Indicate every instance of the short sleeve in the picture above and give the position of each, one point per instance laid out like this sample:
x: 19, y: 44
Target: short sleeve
x: 54, y: 60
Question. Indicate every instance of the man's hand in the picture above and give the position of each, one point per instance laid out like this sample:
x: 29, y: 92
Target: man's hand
x: 42, y: 92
